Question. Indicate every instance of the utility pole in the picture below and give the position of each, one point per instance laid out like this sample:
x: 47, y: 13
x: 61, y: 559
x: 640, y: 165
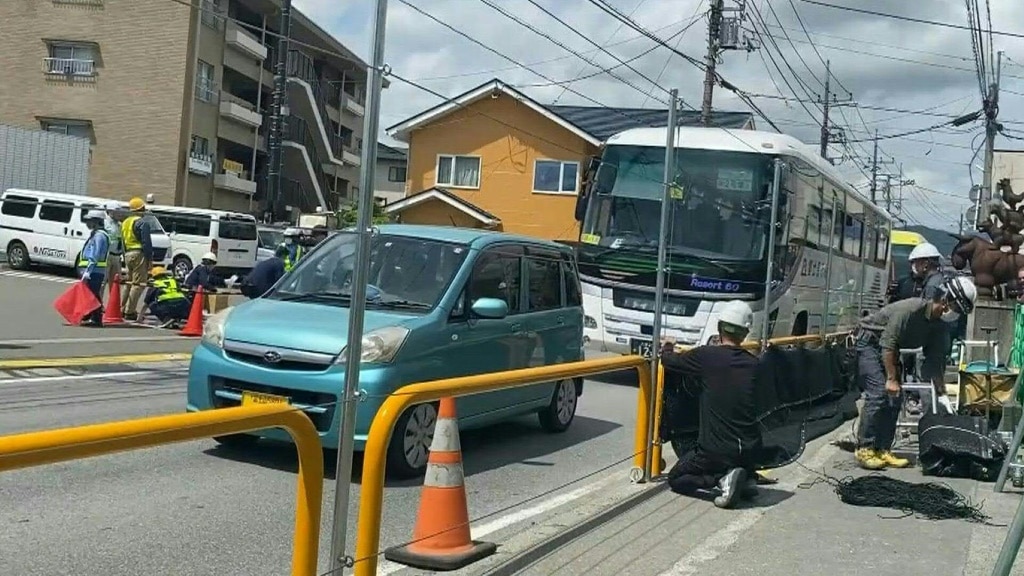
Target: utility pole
x: 278, y: 105
x: 874, y: 172
x: 357, y: 310
x: 992, y: 128
x: 711, y: 60
x: 825, y: 104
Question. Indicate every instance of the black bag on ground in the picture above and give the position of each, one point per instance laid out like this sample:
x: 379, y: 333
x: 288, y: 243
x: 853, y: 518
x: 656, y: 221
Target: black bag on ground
x: 954, y: 446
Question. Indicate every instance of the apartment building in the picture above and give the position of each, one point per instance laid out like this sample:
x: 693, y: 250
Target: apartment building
x: 176, y: 101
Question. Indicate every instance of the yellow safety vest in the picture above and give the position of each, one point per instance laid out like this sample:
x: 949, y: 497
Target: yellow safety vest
x: 131, y: 242
x: 102, y: 262
x: 169, y: 288
x: 288, y: 264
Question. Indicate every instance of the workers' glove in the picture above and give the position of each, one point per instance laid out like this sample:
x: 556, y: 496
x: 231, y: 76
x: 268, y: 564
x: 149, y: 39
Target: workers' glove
x: 230, y: 282
x: 86, y: 275
x: 943, y: 403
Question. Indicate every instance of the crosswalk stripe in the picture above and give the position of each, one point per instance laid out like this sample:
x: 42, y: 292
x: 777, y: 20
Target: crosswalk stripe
x: 34, y: 276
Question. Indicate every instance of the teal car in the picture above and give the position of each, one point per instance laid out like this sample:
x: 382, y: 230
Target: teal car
x: 441, y: 302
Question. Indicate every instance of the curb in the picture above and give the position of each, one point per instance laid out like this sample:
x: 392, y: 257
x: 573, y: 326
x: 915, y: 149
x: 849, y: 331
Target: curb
x: 534, y: 553
x: 28, y: 363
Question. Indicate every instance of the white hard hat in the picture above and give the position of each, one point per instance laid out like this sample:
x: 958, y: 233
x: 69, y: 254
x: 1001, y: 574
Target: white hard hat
x: 114, y: 206
x: 291, y: 232
x: 95, y: 215
x: 961, y: 291
x: 924, y: 252
x: 737, y: 313
x: 210, y: 256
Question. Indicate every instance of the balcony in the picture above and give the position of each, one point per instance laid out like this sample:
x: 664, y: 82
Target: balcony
x: 234, y: 178
x: 201, y: 164
x: 69, y: 67
x: 245, y: 42
x: 350, y: 155
x: 239, y: 110
x: 354, y: 107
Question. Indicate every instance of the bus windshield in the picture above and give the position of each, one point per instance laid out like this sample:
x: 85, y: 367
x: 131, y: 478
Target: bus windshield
x: 719, y: 207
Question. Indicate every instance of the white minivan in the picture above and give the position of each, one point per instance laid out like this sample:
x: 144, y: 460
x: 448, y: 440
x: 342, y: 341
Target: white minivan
x: 46, y: 228
x: 195, y: 231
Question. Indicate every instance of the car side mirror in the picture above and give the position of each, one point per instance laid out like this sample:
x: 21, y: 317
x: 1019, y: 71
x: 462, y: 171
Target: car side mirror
x: 490, y: 308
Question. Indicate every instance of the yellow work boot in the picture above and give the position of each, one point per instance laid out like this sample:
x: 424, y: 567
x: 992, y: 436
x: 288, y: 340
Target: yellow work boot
x: 893, y: 460
x: 869, y: 459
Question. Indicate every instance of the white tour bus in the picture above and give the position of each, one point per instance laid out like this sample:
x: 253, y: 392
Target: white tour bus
x: 46, y: 228
x: 195, y: 231
x: 831, y: 243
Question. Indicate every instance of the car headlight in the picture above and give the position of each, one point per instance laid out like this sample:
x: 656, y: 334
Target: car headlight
x: 213, y: 330
x: 379, y: 346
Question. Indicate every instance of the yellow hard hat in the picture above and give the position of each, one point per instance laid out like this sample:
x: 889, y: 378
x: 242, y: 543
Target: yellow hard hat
x: 157, y: 271
x: 136, y: 204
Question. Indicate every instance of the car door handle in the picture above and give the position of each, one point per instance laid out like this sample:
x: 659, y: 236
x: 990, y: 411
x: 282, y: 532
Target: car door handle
x: 65, y: 231
x: 517, y: 328
x: 561, y: 320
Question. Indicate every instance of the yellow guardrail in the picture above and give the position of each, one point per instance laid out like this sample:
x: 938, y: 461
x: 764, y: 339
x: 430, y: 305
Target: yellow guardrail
x: 63, y: 444
x: 659, y: 385
x: 371, y: 494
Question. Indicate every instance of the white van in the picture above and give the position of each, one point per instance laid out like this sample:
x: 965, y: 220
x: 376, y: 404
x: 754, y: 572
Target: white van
x: 195, y: 231
x: 46, y: 228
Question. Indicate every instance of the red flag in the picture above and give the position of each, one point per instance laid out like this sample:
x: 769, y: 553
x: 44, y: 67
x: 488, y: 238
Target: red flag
x: 76, y: 303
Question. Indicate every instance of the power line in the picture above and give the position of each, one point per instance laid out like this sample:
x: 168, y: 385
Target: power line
x: 909, y: 18
x: 811, y: 42
x: 615, y: 13
x: 668, y: 59
x: 874, y: 43
x: 908, y: 133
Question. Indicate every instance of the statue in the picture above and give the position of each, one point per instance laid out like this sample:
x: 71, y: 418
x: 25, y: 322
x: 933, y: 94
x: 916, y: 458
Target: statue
x: 990, y: 265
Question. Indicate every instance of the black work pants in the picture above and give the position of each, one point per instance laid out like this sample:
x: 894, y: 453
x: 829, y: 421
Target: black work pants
x: 701, y: 470
x: 881, y: 411
x: 177, y: 309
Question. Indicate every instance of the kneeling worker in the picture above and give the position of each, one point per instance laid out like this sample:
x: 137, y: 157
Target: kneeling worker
x: 729, y: 437
x: 165, y: 300
x: 911, y: 323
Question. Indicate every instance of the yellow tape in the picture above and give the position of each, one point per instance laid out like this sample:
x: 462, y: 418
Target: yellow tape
x: 92, y: 360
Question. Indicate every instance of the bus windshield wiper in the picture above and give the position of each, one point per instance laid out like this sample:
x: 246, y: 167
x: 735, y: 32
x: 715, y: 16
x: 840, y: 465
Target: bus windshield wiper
x: 703, y: 259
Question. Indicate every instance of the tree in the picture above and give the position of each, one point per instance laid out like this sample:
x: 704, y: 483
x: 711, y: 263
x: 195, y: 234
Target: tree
x: 347, y: 216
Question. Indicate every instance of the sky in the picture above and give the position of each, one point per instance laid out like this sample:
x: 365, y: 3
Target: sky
x: 896, y: 76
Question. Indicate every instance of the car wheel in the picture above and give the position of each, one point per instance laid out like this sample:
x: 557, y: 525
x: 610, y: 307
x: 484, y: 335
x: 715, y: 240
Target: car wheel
x: 17, y: 256
x: 236, y: 440
x: 561, y: 411
x: 181, y: 266
x: 410, y: 442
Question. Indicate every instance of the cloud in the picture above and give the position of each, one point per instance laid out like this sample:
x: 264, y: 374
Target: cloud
x: 885, y: 63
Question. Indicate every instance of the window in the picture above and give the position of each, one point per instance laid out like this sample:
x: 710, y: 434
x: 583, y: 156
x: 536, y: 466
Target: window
x: 19, y: 206
x: 79, y: 128
x: 211, y: 13
x: 852, y: 235
x: 85, y: 208
x: 883, y: 243
x: 496, y: 275
x: 191, y: 224
x: 396, y: 174
x: 573, y: 294
x: 839, y: 226
x: 204, y: 82
x: 56, y: 211
x: 544, y: 275
x: 71, y: 59
x: 555, y: 176
x: 458, y: 171
x: 200, y: 146
x: 237, y: 228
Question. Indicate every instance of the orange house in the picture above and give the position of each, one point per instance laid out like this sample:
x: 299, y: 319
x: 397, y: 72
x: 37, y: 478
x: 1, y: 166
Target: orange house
x: 494, y: 158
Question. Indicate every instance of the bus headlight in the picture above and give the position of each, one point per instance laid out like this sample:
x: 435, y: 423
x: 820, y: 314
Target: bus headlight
x: 589, y: 322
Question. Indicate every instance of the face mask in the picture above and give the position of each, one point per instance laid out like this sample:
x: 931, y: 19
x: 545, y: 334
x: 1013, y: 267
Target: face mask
x: 950, y: 316
x: 289, y: 240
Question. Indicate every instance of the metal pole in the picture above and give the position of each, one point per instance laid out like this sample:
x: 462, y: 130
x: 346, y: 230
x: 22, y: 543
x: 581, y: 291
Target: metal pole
x: 659, y: 293
x: 280, y: 101
x: 710, y: 76
x: 770, y: 268
x: 1011, y: 545
x: 874, y: 172
x: 826, y: 316
x: 991, y: 111
x: 347, y: 427
x: 825, y: 103
x: 259, y: 110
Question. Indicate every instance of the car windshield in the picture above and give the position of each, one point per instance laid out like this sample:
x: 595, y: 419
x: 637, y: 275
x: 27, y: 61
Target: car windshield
x: 237, y: 228
x: 718, y: 209
x: 405, y: 272
x: 271, y: 239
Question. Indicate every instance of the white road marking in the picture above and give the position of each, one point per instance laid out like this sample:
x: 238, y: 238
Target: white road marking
x: 93, y: 340
x: 481, y: 530
x: 35, y: 379
x: 715, y: 545
x: 35, y: 276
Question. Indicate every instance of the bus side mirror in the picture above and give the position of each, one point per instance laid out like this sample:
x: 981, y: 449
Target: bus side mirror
x: 590, y: 176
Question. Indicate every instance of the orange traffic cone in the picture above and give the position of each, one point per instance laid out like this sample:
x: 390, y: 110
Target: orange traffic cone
x: 112, y: 313
x: 441, y: 539
x: 194, y: 326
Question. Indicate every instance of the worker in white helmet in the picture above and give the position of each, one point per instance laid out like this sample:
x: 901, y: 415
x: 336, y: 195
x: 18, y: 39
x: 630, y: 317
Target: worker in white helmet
x: 295, y: 248
x: 925, y: 274
x: 206, y: 275
x: 729, y: 439
x: 907, y: 324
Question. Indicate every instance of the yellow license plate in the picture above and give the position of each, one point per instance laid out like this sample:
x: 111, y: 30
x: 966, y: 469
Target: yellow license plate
x: 251, y: 398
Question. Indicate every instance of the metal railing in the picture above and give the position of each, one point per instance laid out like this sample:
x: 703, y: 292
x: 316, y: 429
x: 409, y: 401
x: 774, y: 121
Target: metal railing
x: 61, y: 445
x: 374, y: 456
x: 299, y: 131
x: 206, y: 90
x: 229, y: 97
x: 69, y: 67
x: 301, y: 66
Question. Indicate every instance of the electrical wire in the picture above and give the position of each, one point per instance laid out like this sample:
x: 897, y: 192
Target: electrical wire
x: 697, y: 16
x: 799, y: 56
x: 907, y: 133
x: 929, y: 500
x: 619, y: 16
x: 908, y: 18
